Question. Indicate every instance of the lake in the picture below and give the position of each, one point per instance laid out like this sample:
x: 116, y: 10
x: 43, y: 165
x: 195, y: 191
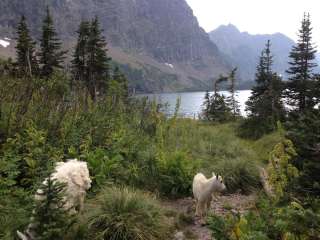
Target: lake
x: 191, y: 102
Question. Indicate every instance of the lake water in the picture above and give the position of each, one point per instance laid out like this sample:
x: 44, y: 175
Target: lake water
x: 191, y: 102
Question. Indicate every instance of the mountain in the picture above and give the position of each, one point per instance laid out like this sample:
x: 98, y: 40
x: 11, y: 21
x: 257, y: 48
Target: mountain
x: 159, y: 44
x: 243, y: 49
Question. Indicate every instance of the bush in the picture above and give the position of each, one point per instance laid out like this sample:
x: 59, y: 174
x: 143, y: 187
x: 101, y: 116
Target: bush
x: 239, y: 174
x: 14, y: 213
x: 121, y: 213
x: 254, y: 128
x: 101, y: 167
x: 268, y: 221
x: 219, y: 227
x: 49, y: 218
x: 176, y: 172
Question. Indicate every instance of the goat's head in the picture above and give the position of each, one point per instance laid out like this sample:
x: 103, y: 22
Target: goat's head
x: 219, y: 184
x: 82, y: 176
x: 85, y: 175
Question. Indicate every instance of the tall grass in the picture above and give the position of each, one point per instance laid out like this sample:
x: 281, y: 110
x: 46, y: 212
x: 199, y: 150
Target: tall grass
x: 121, y: 213
x: 218, y: 149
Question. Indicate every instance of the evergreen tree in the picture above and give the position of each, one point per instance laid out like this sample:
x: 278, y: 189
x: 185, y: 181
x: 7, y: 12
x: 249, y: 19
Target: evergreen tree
x: 122, y: 83
x: 80, y: 56
x: 219, y: 110
x: 231, y: 100
x: 51, y: 55
x: 215, y: 107
x: 50, y: 220
x: 265, y: 107
x: 255, y: 105
x: 98, y: 61
x: 27, y: 64
x: 90, y: 62
x: 304, y: 131
x: 300, y: 86
x: 206, y: 106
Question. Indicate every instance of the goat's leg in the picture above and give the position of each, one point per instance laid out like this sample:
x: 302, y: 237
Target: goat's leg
x: 81, y: 203
x: 208, y: 204
x: 197, y: 208
x: 201, y: 208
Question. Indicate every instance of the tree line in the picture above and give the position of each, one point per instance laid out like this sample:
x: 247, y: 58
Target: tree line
x: 294, y: 103
x: 90, y: 65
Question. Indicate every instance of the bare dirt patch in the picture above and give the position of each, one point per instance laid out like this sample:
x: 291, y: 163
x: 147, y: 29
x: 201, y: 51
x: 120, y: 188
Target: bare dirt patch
x: 194, y: 228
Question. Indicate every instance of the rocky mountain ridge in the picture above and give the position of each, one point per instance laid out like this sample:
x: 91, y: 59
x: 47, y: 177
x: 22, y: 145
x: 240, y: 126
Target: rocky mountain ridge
x: 243, y: 49
x: 159, y: 44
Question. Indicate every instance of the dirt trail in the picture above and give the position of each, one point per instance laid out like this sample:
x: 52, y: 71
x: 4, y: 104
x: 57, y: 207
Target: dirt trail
x: 193, y: 228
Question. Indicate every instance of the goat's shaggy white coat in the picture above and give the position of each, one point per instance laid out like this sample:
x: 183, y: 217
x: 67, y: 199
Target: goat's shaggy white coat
x: 75, y: 175
x: 203, y: 189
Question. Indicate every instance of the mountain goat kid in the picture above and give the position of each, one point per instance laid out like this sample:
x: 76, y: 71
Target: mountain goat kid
x: 75, y: 175
x: 203, y: 189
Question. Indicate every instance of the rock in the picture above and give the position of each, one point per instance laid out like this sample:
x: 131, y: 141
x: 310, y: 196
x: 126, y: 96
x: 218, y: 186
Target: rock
x: 179, y: 236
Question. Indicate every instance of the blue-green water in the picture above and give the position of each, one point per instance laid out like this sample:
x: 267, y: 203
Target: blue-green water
x: 191, y: 102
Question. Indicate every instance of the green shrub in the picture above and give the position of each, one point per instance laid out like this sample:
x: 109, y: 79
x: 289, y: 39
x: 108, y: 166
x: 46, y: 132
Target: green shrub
x: 176, y: 172
x: 254, y: 128
x: 15, y: 212
x: 121, y: 213
x: 26, y: 157
x: 101, y: 166
x: 50, y: 219
x: 219, y: 227
x: 239, y: 174
x: 268, y: 221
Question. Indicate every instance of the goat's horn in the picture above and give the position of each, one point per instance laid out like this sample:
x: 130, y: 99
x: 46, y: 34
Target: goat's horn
x: 22, y: 236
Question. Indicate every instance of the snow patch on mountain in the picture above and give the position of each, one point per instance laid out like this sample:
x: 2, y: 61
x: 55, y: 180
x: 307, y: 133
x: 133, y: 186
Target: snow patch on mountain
x: 4, y: 42
x: 169, y: 65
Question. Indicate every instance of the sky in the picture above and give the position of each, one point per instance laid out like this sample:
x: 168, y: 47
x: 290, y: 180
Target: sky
x: 258, y: 16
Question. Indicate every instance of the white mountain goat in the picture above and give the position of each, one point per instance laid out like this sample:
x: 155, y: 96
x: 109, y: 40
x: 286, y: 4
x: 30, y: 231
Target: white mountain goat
x: 203, y: 189
x: 75, y: 175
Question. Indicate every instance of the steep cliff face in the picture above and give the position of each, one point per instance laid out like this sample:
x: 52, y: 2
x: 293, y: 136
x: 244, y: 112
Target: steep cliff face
x: 243, y: 49
x: 161, y: 39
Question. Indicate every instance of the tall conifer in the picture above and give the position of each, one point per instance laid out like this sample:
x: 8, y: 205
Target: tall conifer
x: 90, y: 60
x: 232, y: 99
x: 25, y: 49
x: 120, y: 79
x: 98, y: 61
x: 51, y: 55
x: 300, y: 86
x: 264, y: 107
x: 80, y: 56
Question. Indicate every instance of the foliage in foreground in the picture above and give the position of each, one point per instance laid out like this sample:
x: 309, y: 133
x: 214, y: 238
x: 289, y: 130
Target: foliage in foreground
x: 50, y: 219
x: 281, y: 172
x: 282, y: 216
x: 121, y: 213
x: 268, y: 222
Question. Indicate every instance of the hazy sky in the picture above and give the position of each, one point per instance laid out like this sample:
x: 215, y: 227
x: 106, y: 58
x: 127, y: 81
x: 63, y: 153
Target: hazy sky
x: 258, y: 16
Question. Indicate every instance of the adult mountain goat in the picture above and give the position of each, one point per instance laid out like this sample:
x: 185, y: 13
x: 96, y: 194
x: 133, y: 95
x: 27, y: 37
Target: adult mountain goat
x: 75, y: 175
x: 203, y: 189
